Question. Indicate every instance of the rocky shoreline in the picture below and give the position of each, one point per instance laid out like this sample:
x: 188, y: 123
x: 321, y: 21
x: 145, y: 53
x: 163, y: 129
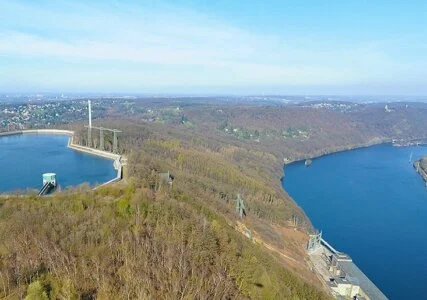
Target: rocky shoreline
x: 421, y: 167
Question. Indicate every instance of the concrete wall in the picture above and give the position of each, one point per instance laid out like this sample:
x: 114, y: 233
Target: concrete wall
x: 48, y: 131
x: 118, y: 165
x: 92, y: 151
x: 116, y: 157
x: 10, y: 133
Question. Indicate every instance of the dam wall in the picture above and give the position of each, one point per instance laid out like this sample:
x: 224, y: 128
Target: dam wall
x: 48, y: 131
x: 7, y: 133
x: 118, y: 163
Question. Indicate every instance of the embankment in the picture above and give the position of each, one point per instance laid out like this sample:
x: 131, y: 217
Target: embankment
x: 419, y: 165
x: 118, y: 160
x: 10, y: 133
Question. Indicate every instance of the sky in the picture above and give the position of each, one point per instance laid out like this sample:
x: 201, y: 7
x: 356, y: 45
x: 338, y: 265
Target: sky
x: 214, y: 47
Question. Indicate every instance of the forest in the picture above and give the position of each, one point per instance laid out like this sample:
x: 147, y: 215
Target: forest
x: 147, y: 238
x: 129, y: 242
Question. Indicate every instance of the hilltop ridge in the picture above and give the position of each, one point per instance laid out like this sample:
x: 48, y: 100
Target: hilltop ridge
x: 214, y: 152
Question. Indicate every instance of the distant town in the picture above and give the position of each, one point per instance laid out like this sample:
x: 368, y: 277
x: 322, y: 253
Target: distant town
x: 26, y: 111
x: 26, y: 114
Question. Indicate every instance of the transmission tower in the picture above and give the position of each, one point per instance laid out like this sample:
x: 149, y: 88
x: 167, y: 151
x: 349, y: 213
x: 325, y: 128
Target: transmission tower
x: 240, y: 207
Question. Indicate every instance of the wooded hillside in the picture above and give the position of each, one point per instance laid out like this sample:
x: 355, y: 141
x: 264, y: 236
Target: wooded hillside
x: 130, y: 241
x: 144, y: 239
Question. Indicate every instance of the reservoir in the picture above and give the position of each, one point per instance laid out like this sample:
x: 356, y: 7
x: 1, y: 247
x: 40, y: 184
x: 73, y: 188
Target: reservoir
x: 25, y: 157
x: 371, y: 204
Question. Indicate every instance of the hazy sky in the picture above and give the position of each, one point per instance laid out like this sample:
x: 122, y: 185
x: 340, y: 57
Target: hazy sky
x: 233, y: 46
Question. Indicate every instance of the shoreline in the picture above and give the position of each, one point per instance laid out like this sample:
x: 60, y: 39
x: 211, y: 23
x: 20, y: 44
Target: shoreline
x: 417, y: 165
x: 374, y: 142
x: 118, y: 160
x: 287, y: 161
x: 368, y: 286
x: 420, y: 170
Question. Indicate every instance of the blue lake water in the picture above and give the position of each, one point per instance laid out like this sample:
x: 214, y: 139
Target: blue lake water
x: 24, y: 158
x: 371, y: 204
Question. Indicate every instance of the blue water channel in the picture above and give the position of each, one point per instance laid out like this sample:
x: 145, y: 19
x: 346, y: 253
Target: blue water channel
x: 24, y: 158
x: 371, y: 204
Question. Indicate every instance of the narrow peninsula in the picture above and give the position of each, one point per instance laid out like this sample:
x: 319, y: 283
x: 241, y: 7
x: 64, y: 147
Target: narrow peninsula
x: 421, y: 167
